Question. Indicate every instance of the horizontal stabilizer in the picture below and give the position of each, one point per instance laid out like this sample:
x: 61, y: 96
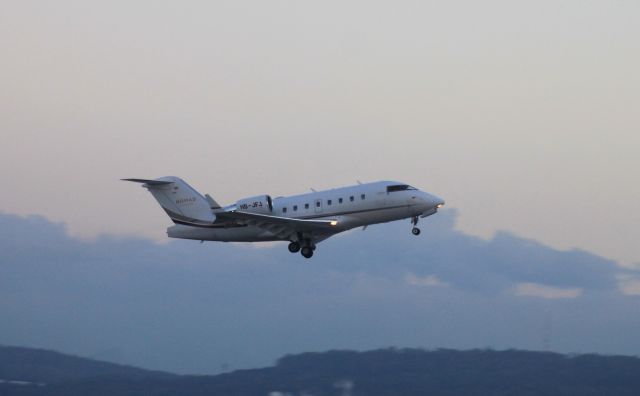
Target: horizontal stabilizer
x: 149, y: 182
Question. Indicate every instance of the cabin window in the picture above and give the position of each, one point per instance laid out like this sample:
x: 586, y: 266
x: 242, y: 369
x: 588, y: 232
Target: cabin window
x: 328, y: 202
x: 399, y: 187
x: 284, y: 210
x: 351, y: 198
x: 318, y: 203
x: 339, y: 200
x: 306, y: 206
x: 361, y: 196
x: 295, y: 208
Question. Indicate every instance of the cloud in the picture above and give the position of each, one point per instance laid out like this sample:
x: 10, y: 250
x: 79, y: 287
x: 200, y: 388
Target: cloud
x: 429, y: 280
x: 465, y: 262
x: 194, y: 308
x: 543, y: 291
x: 629, y: 284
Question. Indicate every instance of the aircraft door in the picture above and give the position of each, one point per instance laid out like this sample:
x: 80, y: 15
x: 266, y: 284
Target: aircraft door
x: 381, y: 198
x: 318, y: 205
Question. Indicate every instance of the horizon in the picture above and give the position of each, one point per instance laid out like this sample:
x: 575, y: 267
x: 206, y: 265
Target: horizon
x: 394, y: 349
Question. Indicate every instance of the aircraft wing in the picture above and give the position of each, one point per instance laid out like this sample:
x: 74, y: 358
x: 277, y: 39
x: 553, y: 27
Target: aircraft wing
x: 281, y: 226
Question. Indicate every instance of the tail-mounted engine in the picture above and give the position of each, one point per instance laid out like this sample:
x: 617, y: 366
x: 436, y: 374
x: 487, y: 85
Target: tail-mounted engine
x: 259, y: 204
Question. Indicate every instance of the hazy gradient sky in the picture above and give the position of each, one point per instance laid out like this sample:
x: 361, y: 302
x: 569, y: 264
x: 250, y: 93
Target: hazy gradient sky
x: 523, y: 115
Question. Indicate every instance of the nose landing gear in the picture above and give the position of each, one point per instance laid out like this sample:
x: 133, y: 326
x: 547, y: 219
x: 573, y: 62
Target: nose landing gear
x: 415, y: 230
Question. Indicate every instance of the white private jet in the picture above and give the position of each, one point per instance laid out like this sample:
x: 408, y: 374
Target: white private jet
x: 303, y: 220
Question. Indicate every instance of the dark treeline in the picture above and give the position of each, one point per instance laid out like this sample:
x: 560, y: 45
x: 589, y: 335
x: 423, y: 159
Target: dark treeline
x: 373, y: 373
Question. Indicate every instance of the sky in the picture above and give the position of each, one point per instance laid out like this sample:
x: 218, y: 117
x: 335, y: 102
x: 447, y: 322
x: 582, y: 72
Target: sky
x: 523, y: 116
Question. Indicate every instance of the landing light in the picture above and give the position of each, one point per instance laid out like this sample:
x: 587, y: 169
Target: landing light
x: 439, y: 206
x: 333, y: 222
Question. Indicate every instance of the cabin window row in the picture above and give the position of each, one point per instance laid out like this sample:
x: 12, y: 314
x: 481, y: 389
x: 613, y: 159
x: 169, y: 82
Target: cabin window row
x: 329, y: 203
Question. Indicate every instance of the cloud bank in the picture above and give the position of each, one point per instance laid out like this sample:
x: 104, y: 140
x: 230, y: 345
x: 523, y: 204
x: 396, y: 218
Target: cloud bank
x: 206, y: 308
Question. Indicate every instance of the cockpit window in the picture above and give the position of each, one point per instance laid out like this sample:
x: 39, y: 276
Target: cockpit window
x: 399, y: 187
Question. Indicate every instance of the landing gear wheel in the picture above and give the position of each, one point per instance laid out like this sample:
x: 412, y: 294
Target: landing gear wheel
x: 415, y: 231
x: 294, y: 247
x: 306, y: 252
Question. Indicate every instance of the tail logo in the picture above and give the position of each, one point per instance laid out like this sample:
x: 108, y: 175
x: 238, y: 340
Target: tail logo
x: 184, y: 201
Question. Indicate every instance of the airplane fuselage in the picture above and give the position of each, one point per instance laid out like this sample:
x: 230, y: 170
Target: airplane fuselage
x: 352, y: 206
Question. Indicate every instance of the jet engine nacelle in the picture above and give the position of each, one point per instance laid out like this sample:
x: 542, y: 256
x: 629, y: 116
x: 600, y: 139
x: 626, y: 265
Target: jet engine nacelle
x: 259, y: 204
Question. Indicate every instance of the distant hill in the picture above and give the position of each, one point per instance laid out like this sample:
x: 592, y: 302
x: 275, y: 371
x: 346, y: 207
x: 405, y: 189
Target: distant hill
x: 43, y: 366
x: 374, y: 373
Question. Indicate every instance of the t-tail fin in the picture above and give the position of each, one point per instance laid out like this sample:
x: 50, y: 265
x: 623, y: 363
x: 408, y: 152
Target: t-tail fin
x: 181, y: 201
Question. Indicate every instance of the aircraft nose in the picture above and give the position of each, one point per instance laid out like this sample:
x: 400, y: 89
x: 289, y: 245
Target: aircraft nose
x: 433, y: 201
x: 427, y: 202
x: 438, y: 202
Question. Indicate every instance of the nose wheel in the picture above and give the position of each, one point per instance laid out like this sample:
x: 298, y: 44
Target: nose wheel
x: 415, y: 230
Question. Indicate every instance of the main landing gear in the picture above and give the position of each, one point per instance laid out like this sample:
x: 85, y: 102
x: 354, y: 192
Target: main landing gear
x: 294, y: 247
x: 415, y: 230
x: 306, y: 250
